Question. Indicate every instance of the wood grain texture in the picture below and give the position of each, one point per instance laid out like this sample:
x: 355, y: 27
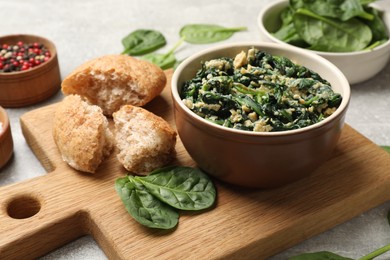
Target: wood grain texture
x: 44, y: 213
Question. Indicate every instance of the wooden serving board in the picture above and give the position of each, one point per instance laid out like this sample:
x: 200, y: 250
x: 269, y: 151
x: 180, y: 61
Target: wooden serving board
x: 44, y: 213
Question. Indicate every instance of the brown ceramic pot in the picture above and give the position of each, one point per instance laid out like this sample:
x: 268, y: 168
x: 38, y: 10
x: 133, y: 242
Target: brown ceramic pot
x: 6, y: 142
x: 31, y: 86
x: 259, y: 159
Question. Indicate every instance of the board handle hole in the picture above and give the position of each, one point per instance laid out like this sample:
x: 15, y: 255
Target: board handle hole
x: 23, y: 206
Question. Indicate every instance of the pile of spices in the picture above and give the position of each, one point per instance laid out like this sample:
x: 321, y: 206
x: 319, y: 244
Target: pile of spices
x: 22, y: 56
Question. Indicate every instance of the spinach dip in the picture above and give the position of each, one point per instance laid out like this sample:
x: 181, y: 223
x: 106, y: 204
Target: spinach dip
x: 260, y: 92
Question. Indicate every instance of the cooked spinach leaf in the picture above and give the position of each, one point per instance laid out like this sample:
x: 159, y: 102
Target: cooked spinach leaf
x: 142, y: 41
x: 180, y: 187
x: 144, y: 207
x: 263, y: 93
x: 207, y: 33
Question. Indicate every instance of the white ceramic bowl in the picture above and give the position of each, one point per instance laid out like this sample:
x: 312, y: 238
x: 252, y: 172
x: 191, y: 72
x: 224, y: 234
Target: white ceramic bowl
x: 258, y: 159
x: 357, y: 66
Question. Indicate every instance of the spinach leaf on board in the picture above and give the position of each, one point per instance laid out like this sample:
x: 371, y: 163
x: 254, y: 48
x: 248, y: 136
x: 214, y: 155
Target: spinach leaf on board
x: 207, y: 33
x: 180, y: 187
x: 164, y: 61
x: 342, y: 9
x: 142, y: 41
x: 144, y: 207
x: 326, y: 34
x: 154, y: 200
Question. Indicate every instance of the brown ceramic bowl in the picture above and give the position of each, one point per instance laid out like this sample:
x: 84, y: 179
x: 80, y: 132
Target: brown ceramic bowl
x: 6, y: 142
x: 31, y: 86
x: 259, y: 159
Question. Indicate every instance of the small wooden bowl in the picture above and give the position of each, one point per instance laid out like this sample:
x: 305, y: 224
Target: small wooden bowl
x: 6, y: 142
x: 31, y: 86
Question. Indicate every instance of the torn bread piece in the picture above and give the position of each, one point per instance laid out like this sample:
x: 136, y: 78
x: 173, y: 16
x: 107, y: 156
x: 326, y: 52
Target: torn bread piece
x: 81, y: 133
x: 145, y: 141
x: 115, y: 80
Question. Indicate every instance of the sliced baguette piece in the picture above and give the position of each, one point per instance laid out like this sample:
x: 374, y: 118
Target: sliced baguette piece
x: 145, y: 140
x: 115, y: 80
x: 81, y: 133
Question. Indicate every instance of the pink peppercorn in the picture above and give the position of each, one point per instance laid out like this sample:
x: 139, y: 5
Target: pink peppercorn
x: 22, y: 56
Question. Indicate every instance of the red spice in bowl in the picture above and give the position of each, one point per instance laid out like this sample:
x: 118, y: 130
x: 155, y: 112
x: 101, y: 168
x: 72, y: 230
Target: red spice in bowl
x: 22, y: 56
x: 26, y: 86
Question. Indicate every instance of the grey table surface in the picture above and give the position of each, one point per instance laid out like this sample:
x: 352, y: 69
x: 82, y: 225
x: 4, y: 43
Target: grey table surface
x: 82, y: 30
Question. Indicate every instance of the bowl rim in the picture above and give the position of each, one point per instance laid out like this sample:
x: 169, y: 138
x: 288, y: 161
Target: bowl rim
x: 53, y: 53
x: 340, y: 111
x: 276, y: 3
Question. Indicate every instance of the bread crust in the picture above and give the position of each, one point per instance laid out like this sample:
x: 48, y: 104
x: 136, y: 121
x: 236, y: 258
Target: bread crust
x: 145, y: 140
x: 81, y: 134
x: 112, y: 81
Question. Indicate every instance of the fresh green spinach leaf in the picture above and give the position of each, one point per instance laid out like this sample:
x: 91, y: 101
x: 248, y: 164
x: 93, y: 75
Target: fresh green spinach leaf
x: 154, y: 200
x: 377, y: 26
x: 144, y: 207
x: 375, y: 44
x: 287, y: 31
x: 287, y: 15
x: 376, y: 253
x: 164, y: 61
x: 327, y: 34
x: 341, y: 9
x: 207, y: 33
x: 183, y: 188
x: 289, y: 34
x: 142, y: 41
x: 366, y: 2
x: 332, y: 25
x: 324, y: 255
